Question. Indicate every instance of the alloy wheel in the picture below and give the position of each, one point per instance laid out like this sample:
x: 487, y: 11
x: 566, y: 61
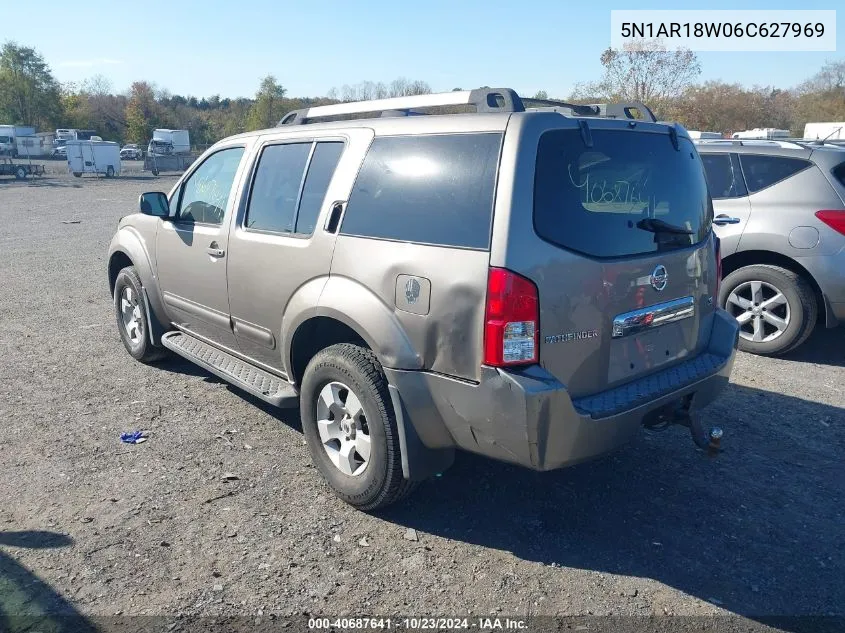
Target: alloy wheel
x: 130, y: 310
x: 342, y: 425
x: 761, y: 309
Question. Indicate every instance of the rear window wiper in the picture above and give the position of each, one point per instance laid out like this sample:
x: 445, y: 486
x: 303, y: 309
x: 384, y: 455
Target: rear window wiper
x: 653, y: 225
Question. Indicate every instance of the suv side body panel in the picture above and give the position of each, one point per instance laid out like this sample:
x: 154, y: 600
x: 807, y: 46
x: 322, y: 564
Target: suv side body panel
x: 448, y: 338
x: 783, y: 220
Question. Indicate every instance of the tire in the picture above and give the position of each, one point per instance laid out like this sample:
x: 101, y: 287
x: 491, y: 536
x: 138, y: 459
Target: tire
x: 20, y: 173
x: 136, y: 340
x: 110, y: 172
x: 155, y: 172
x: 784, y: 323
x: 77, y: 174
x: 379, y: 482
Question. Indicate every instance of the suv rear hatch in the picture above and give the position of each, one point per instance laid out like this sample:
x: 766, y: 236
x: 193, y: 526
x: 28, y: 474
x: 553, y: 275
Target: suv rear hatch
x: 633, y: 271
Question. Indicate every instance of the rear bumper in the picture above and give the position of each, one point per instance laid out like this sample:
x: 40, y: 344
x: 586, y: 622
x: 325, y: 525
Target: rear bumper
x: 528, y: 418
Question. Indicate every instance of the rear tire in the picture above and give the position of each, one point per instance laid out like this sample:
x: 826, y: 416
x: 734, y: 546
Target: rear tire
x: 20, y: 173
x: 130, y: 309
x: 110, y: 172
x: 77, y: 174
x: 776, y: 308
x: 376, y: 479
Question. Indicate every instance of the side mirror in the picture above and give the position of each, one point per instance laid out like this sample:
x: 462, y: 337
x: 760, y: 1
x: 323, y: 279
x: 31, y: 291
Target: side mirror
x: 154, y: 203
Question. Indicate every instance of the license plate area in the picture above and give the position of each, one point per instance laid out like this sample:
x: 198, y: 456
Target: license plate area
x: 645, y: 352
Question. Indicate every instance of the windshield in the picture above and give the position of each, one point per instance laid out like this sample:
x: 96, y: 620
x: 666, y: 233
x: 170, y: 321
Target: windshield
x: 630, y: 193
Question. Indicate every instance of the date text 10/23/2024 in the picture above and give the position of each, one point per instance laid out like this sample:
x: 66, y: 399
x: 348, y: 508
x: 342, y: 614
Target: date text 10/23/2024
x: 418, y: 623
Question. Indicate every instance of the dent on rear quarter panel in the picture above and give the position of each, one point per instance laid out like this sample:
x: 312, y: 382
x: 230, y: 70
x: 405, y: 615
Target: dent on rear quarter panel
x: 355, y: 305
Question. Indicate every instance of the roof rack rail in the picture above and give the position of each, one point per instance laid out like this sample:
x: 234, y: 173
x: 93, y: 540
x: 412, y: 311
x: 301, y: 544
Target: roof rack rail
x: 483, y: 99
x: 624, y: 110
x: 750, y: 142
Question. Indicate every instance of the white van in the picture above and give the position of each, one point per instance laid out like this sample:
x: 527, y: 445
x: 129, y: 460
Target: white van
x: 825, y: 131
x: 93, y: 157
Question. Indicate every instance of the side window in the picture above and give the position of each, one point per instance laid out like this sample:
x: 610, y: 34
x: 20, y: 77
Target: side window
x: 839, y: 173
x: 435, y: 189
x: 723, y: 177
x: 205, y: 195
x: 275, y: 190
x: 320, y: 172
x: 764, y: 171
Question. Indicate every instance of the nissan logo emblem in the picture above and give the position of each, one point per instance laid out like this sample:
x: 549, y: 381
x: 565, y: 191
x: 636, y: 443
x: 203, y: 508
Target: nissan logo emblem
x: 659, y: 278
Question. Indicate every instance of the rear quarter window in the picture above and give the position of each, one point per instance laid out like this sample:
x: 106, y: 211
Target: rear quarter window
x: 630, y: 193
x: 839, y: 173
x: 430, y: 189
x: 764, y: 171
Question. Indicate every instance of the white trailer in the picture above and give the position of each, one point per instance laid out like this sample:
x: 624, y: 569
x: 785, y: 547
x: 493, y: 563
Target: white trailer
x: 93, y: 157
x: 768, y: 133
x: 696, y: 134
x: 825, y: 131
x: 35, y: 145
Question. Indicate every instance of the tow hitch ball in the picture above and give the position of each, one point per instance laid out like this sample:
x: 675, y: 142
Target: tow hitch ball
x: 709, y: 441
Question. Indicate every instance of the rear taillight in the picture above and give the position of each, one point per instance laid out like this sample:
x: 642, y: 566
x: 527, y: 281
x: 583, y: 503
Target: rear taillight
x: 834, y: 219
x: 717, y: 245
x: 511, y: 320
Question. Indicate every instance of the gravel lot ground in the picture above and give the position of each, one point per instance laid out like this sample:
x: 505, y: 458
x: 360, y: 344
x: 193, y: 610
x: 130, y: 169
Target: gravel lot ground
x: 94, y: 527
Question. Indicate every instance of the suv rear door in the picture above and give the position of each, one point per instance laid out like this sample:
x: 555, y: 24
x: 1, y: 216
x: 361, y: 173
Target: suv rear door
x: 730, y: 198
x: 620, y: 249
x: 279, y: 243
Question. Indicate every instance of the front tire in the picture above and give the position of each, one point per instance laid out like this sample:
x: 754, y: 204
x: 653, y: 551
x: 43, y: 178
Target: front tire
x: 130, y: 309
x: 350, y: 426
x: 20, y: 173
x: 776, y: 308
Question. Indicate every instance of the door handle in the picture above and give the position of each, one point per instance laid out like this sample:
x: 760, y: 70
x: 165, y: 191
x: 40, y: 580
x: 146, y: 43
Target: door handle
x: 214, y: 250
x: 723, y: 219
x: 335, y: 214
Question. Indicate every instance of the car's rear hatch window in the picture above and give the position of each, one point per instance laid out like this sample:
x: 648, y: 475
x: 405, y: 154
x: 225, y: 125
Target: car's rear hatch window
x: 627, y: 193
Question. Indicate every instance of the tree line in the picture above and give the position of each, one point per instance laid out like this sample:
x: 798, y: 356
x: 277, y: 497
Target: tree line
x: 665, y: 80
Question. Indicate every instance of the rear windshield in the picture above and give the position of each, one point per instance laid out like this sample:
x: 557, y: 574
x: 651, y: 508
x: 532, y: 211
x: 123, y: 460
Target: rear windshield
x: 631, y: 193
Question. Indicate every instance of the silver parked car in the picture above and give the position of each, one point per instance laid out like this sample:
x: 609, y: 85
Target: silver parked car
x: 531, y: 284
x: 780, y: 213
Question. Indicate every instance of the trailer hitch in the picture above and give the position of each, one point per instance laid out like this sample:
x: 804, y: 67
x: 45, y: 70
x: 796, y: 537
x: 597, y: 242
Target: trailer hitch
x: 682, y: 415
